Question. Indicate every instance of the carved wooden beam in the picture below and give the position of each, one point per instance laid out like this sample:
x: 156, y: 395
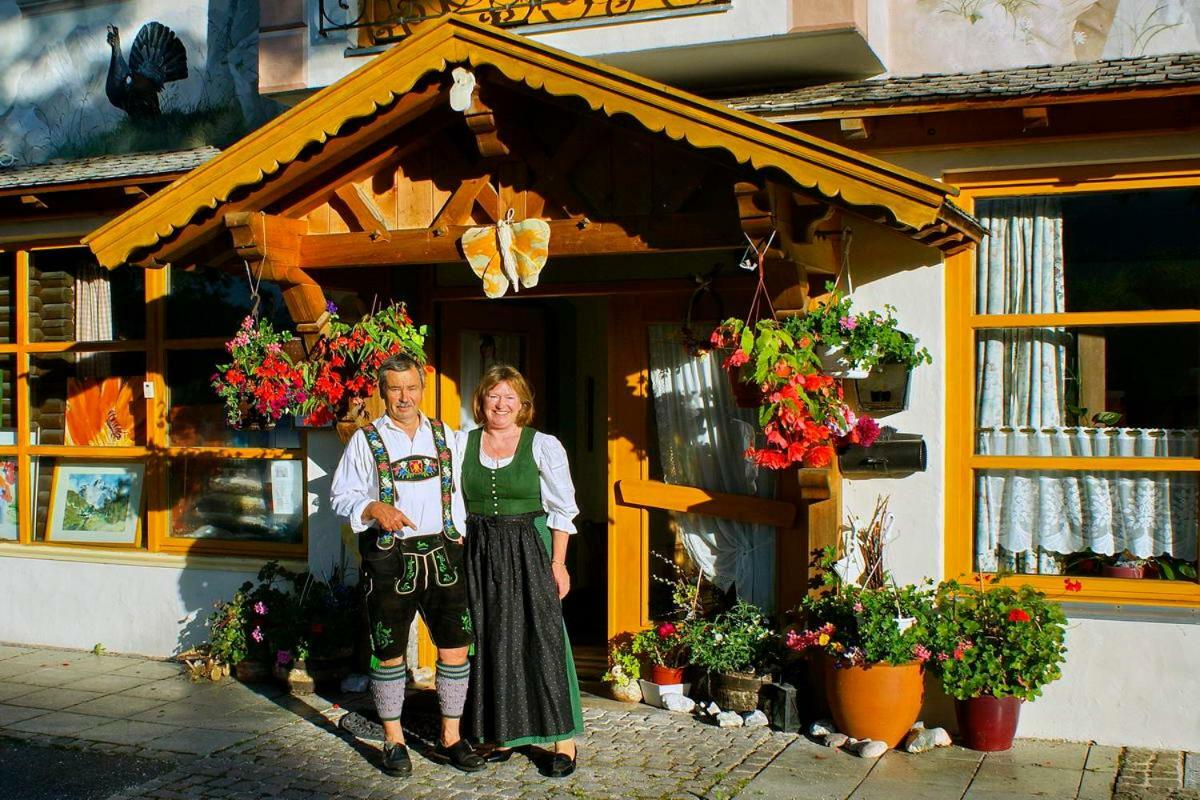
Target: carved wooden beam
x: 754, y: 209
x: 457, y: 210
x: 358, y: 210
x: 481, y: 119
x: 572, y: 237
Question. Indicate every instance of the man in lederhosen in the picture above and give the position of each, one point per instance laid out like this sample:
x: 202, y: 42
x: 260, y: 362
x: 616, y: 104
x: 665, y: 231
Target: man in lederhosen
x: 398, y: 484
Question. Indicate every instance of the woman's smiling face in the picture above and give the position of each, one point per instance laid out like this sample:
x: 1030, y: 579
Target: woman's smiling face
x: 501, y: 406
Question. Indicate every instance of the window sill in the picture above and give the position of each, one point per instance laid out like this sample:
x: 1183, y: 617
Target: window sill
x: 141, y: 558
x: 1112, y: 593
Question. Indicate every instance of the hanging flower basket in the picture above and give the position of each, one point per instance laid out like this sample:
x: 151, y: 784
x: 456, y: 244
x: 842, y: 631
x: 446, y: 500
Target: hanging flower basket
x: 885, y: 390
x: 262, y: 382
x: 834, y: 362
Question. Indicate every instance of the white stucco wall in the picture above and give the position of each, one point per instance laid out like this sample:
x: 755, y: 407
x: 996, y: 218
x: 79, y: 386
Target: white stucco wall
x: 1125, y: 682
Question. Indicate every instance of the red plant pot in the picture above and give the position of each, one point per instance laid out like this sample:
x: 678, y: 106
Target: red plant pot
x: 988, y: 723
x: 665, y: 676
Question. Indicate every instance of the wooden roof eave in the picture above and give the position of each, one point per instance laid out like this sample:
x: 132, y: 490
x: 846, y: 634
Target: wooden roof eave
x: 817, y: 166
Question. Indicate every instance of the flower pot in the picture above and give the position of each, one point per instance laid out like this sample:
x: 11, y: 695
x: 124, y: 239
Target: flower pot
x: 249, y: 671
x: 627, y: 692
x: 737, y: 691
x: 745, y: 395
x: 666, y: 676
x: 834, y: 363
x: 296, y: 677
x: 988, y: 723
x: 877, y: 701
x: 885, y: 389
x: 1134, y: 571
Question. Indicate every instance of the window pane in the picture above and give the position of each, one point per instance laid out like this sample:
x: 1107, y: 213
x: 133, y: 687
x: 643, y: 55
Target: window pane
x: 73, y: 299
x: 209, y: 302
x: 1056, y: 522
x: 89, y: 502
x: 8, y: 407
x: 88, y: 399
x: 1129, y: 390
x: 8, y: 498
x: 237, y: 499
x: 1100, y: 251
x: 197, y: 415
x: 8, y: 315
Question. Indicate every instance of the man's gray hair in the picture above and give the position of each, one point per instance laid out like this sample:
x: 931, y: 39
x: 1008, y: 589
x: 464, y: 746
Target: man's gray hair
x: 401, y: 362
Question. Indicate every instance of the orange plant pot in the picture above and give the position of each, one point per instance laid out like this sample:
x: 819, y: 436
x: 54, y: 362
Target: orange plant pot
x: 877, y: 701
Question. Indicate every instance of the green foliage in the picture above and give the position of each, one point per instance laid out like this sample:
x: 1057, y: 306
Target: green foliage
x: 739, y: 640
x: 227, y: 634
x: 623, y: 664
x: 860, y: 626
x: 997, y: 640
x: 99, y: 649
x: 665, y: 644
x: 867, y: 338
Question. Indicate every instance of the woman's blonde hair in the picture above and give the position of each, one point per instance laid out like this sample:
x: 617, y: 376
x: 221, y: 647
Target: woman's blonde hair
x: 503, y: 373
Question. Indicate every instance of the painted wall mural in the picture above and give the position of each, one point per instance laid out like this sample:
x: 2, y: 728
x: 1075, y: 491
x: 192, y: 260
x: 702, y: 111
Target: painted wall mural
x: 133, y: 75
x: 967, y: 35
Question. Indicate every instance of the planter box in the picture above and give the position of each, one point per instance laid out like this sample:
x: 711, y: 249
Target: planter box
x: 653, y: 693
x: 885, y: 390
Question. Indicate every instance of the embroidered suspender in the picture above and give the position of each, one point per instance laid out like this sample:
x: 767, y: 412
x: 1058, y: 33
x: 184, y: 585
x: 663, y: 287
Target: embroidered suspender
x: 415, y: 468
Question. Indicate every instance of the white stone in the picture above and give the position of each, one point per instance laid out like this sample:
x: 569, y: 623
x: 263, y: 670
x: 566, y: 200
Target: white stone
x: 916, y: 726
x: 941, y: 737
x: 755, y: 719
x: 679, y: 702
x: 822, y: 727
x: 730, y: 719
x: 835, y: 739
x: 869, y: 748
x: 919, y: 740
x: 355, y: 683
x: 710, y: 709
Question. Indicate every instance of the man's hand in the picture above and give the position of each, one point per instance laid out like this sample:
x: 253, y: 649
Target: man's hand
x: 562, y: 578
x: 389, y: 517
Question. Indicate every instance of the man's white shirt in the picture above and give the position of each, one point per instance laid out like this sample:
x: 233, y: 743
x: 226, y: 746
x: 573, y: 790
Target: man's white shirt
x: 356, y: 481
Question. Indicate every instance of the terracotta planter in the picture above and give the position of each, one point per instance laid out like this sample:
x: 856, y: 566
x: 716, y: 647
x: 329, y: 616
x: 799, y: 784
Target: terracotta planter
x: 248, y: 671
x: 737, y: 691
x: 988, y: 723
x: 665, y: 676
x: 1134, y: 571
x: 877, y: 701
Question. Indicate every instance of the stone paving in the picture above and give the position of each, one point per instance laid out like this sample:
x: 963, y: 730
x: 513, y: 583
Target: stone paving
x: 228, y: 740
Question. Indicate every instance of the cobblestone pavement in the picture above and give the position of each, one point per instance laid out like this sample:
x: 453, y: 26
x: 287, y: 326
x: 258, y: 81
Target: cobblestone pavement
x: 228, y: 740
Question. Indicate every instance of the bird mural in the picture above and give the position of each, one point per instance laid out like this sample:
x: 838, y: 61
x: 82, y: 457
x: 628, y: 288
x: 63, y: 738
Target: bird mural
x: 156, y: 58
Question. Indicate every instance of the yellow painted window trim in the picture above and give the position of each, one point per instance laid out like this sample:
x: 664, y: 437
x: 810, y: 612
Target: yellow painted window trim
x: 156, y: 546
x: 961, y: 326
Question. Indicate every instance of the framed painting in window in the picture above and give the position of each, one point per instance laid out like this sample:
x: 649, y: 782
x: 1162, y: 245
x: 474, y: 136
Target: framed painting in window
x: 96, y: 502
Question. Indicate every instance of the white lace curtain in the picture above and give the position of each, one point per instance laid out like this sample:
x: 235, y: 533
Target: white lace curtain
x: 701, y: 437
x: 1024, y: 518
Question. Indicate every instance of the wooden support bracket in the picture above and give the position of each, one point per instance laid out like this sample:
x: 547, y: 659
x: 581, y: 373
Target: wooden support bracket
x: 754, y: 209
x: 359, y: 211
x: 481, y: 119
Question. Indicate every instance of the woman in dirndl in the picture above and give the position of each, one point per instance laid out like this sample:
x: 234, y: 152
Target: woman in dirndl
x: 520, y: 504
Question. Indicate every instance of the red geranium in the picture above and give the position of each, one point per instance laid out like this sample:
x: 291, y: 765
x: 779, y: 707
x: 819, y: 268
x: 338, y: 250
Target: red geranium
x: 1018, y: 615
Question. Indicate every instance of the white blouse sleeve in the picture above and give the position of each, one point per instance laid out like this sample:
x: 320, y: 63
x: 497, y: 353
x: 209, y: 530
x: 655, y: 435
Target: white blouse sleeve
x: 355, y: 483
x: 558, y: 492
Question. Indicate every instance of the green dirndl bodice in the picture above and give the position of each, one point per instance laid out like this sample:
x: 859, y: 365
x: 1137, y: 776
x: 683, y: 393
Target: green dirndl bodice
x: 524, y: 689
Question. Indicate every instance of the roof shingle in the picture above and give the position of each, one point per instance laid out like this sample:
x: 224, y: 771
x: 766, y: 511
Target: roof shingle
x: 1181, y: 69
x: 100, y: 168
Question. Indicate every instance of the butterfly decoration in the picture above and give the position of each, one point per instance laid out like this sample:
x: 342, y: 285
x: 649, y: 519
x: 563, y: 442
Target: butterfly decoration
x: 507, y: 253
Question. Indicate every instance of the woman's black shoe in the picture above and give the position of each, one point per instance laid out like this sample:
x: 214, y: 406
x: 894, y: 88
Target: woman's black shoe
x: 499, y: 755
x: 561, y: 765
x: 395, y: 760
x: 461, y: 755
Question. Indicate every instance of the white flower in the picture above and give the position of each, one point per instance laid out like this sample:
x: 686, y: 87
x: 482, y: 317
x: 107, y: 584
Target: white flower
x: 1079, y: 37
x: 718, y: 637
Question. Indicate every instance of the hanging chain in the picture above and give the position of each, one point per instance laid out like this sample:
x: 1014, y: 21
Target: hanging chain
x: 256, y: 281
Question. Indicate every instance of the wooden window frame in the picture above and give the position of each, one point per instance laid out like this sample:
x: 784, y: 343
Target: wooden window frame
x: 156, y: 453
x: 962, y: 323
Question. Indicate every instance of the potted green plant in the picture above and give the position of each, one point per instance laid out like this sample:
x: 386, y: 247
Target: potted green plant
x: 871, y: 637
x: 802, y: 413
x: 665, y: 646
x: 998, y: 647
x: 237, y: 636
x: 885, y: 388
x: 624, y: 669
x: 734, y: 648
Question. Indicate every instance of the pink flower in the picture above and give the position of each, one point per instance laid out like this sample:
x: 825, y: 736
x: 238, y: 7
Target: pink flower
x: 943, y: 657
x: 848, y: 323
x: 921, y: 653
x: 666, y: 630
x: 260, y: 608
x: 257, y: 634
x: 283, y: 657
x: 858, y: 607
x: 737, y: 359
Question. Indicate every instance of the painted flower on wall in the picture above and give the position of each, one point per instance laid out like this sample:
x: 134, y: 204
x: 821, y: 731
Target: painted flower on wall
x: 104, y: 412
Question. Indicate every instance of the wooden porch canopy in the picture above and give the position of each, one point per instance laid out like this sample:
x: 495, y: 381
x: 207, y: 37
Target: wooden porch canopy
x: 334, y: 181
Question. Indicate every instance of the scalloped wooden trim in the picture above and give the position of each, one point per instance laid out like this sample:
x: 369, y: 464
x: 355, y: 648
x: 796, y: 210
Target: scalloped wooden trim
x: 832, y: 171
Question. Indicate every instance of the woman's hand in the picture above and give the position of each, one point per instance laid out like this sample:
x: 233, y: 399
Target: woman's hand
x: 562, y: 578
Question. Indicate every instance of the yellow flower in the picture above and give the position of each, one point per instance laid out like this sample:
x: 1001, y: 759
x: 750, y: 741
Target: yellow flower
x: 823, y: 639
